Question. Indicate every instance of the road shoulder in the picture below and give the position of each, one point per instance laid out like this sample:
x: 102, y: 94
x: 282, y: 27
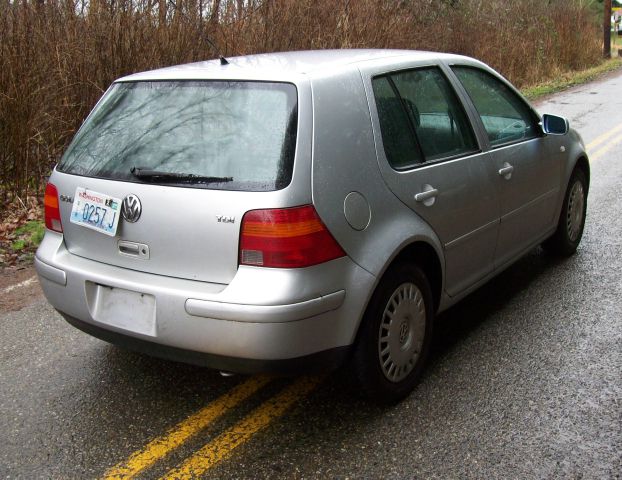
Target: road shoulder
x: 19, y: 287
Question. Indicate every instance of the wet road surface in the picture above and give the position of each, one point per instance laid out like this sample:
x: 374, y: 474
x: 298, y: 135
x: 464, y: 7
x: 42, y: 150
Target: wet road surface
x: 524, y: 380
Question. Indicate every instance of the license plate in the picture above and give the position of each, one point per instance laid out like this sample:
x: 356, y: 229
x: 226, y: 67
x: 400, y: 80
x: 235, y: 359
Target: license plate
x: 125, y: 309
x: 96, y: 211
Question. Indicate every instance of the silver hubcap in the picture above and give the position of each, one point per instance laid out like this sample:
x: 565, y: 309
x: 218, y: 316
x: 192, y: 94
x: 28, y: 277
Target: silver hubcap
x: 401, y: 332
x: 576, y: 208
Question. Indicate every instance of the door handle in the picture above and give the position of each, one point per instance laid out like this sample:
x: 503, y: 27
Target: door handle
x: 423, y: 196
x: 506, y: 171
x: 428, y: 196
x: 133, y: 249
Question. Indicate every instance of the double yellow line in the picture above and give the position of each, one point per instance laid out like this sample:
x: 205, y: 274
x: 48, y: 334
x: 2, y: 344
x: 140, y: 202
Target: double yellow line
x: 603, y: 139
x: 222, y: 446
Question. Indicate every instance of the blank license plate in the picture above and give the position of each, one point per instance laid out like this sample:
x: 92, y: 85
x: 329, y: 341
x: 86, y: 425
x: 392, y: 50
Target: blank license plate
x: 132, y: 311
x: 96, y: 211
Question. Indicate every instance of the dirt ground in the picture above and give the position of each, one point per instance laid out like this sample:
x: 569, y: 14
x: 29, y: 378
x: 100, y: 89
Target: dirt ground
x: 18, y: 287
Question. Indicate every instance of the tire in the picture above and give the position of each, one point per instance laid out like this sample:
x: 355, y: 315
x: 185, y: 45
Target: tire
x: 567, y: 237
x: 395, y: 334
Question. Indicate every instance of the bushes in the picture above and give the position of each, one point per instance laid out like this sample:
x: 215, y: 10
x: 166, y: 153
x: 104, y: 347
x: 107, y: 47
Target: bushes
x: 57, y: 56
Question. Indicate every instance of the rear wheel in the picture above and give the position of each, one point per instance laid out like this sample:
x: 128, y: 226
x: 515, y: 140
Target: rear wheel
x: 566, y: 238
x: 395, y: 335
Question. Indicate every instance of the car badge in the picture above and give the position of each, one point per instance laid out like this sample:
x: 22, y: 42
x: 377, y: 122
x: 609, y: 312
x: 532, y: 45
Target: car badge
x: 131, y: 208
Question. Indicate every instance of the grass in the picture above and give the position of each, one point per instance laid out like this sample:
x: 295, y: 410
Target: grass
x: 570, y: 79
x: 28, y: 236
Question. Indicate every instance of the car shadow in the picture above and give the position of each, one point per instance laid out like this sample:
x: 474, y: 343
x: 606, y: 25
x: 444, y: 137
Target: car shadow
x: 469, y: 314
x: 337, y: 421
x: 455, y: 325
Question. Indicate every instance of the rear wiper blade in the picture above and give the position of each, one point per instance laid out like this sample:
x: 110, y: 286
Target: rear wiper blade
x: 148, y: 174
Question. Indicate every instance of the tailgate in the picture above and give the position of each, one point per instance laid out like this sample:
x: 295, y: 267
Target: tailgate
x: 182, y: 232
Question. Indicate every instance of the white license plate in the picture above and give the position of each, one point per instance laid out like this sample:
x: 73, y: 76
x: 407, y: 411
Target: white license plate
x: 132, y: 311
x: 96, y: 211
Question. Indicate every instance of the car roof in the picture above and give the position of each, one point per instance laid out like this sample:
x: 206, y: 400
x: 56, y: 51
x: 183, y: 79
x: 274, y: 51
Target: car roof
x: 281, y: 65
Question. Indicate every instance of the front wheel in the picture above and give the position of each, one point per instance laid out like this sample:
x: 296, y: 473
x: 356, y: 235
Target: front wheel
x: 566, y: 238
x: 395, y: 335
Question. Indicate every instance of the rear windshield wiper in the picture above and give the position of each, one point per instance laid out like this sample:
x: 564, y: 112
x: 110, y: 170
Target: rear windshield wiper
x: 147, y: 174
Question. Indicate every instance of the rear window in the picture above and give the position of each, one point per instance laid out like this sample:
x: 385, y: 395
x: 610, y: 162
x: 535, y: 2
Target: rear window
x: 208, y: 134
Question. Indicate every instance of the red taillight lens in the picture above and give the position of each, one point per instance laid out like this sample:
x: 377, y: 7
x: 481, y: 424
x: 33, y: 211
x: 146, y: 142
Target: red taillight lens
x: 286, y: 238
x: 52, y: 210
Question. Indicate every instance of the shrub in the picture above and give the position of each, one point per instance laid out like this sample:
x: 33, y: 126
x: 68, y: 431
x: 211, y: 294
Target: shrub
x: 57, y: 57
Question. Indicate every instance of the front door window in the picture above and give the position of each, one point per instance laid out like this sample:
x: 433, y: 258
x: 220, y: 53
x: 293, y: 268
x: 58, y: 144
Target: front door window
x: 506, y: 118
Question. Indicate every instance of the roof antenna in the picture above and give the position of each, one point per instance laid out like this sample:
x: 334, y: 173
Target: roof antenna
x: 223, y: 60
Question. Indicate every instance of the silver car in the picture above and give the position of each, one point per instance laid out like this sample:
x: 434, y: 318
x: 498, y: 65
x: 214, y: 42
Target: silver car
x: 291, y: 211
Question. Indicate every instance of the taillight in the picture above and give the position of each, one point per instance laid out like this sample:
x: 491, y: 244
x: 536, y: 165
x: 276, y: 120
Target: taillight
x: 52, y: 210
x: 286, y: 238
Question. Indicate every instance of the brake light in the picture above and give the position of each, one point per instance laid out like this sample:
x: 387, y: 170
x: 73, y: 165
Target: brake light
x: 52, y: 210
x: 286, y: 238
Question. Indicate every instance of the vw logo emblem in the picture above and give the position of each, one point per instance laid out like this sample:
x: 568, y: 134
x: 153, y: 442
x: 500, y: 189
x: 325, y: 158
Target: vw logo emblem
x: 131, y: 208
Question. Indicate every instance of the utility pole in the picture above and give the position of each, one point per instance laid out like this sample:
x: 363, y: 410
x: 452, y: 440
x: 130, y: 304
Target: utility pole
x: 607, y: 30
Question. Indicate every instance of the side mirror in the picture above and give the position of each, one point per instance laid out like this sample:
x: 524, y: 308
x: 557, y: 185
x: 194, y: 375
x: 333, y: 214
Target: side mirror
x: 554, y: 125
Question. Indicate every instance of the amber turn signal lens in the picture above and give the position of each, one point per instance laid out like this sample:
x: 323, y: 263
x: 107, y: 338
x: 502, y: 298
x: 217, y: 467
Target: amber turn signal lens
x: 286, y: 238
x: 52, y: 209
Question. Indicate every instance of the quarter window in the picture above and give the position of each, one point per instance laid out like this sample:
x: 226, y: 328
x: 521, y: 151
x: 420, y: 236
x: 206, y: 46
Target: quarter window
x: 397, y: 135
x: 426, y: 118
x: 506, y: 117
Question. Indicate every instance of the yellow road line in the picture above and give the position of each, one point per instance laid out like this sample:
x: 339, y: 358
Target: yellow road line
x: 222, y: 446
x: 604, y: 137
x: 608, y: 146
x: 599, y: 153
x: 161, y: 446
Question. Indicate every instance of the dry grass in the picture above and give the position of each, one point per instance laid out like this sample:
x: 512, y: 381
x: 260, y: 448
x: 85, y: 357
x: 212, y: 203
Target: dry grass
x: 58, y: 56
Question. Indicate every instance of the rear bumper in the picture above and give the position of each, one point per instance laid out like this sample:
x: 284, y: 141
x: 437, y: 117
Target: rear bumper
x: 273, y: 320
x: 314, y: 363
x: 265, y: 313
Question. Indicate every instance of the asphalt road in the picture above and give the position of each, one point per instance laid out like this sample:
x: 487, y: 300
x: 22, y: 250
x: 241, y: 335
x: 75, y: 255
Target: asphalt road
x: 524, y: 381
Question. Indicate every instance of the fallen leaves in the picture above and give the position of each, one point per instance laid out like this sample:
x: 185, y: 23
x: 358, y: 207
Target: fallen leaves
x: 20, y: 228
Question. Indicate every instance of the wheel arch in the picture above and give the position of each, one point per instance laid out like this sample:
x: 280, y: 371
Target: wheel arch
x: 560, y: 243
x: 583, y: 164
x: 425, y: 256
x: 577, y: 158
x: 371, y: 379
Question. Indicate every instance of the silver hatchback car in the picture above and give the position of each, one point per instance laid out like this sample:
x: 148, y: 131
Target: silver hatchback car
x: 290, y: 211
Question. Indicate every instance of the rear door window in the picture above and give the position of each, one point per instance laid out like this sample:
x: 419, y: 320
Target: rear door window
x: 440, y: 122
x: 206, y: 134
x: 427, y: 118
x: 397, y: 132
